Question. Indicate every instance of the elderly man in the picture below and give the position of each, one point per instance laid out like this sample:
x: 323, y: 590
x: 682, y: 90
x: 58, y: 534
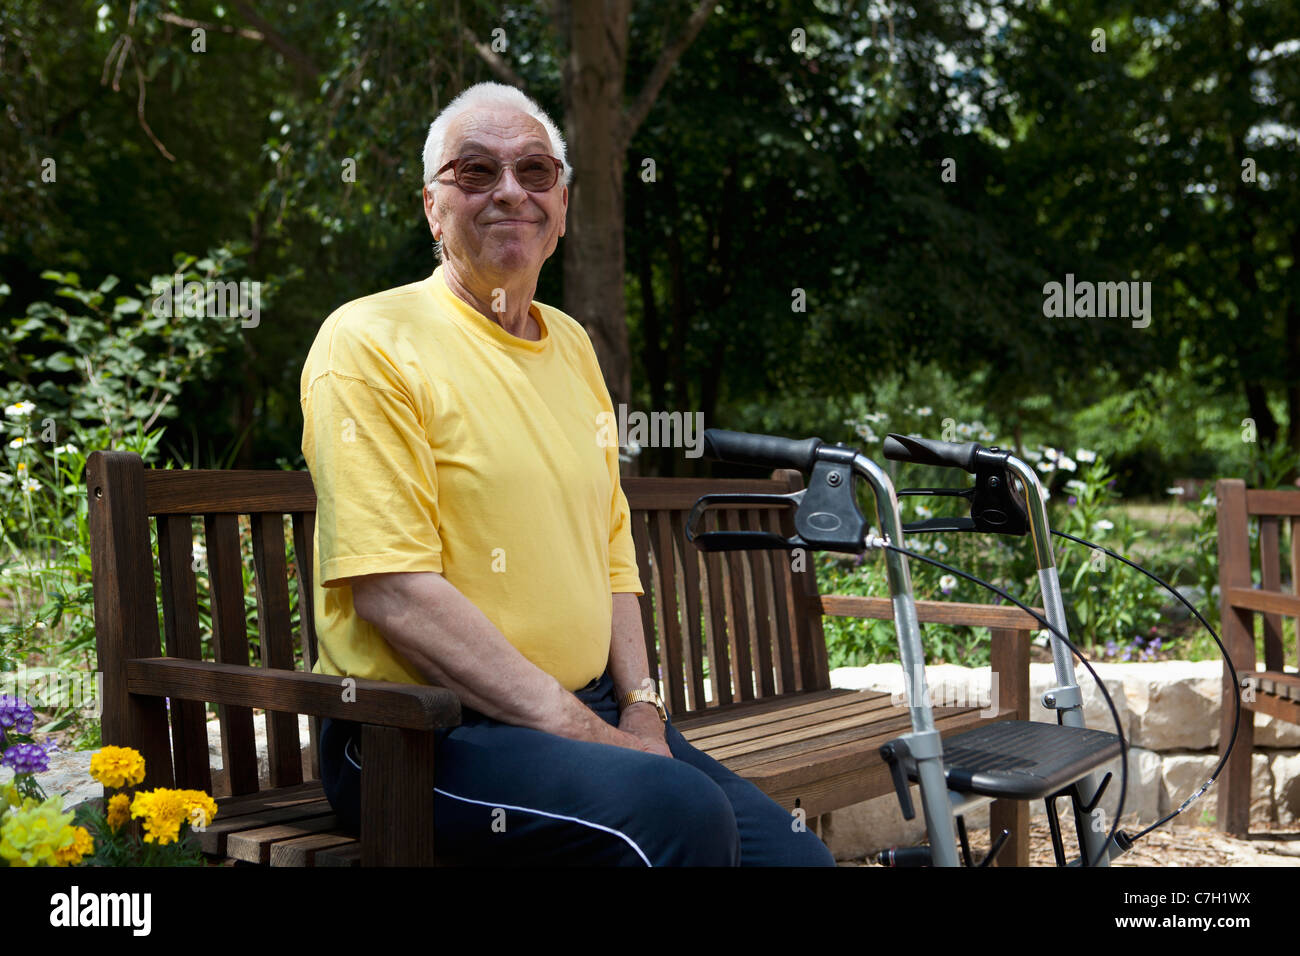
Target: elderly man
x: 472, y: 534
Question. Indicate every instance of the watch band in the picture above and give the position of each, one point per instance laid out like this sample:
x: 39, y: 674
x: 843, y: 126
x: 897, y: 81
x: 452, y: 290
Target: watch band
x: 646, y: 696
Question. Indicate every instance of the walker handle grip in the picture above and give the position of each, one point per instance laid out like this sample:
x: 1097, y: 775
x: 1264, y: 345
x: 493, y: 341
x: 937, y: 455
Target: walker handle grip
x: 765, y: 451
x: 927, y: 451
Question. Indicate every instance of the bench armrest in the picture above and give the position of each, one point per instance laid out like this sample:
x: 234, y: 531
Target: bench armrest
x: 383, y: 703
x: 1003, y: 616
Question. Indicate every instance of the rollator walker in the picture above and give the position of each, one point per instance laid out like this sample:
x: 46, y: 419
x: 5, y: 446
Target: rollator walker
x: 1017, y: 760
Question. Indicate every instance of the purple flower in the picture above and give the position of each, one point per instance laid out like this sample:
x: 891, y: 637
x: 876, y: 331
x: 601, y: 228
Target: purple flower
x: 16, y: 713
x: 1071, y: 500
x: 1127, y: 655
x: 26, y: 758
x: 1157, y: 644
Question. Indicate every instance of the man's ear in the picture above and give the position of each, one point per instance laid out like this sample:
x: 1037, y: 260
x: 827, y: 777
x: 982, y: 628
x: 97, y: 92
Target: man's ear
x: 564, y: 209
x: 431, y: 211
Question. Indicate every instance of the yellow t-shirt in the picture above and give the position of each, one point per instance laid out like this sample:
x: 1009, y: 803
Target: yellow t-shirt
x: 438, y: 441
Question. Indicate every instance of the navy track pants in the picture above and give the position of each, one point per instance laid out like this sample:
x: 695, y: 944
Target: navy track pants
x: 508, y: 795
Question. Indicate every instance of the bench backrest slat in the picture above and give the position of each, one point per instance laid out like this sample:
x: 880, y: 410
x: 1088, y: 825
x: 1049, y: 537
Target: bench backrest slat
x: 181, y: 633
x: 695, y: 644
x: 230, y: 644
x: 1270, y: 579
x: 304, y: 523
x: 284, y: 753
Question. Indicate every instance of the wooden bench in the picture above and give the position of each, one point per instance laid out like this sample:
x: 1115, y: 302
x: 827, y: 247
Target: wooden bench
x: 1274, y: 690
x: 735, y: 639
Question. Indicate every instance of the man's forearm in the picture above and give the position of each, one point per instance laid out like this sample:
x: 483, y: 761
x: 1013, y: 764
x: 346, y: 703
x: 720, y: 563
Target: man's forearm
x: 628, y: 665
x: 454, y: 645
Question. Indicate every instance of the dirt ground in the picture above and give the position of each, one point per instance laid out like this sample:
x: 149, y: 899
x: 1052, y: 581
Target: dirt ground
x: 1166, y: 846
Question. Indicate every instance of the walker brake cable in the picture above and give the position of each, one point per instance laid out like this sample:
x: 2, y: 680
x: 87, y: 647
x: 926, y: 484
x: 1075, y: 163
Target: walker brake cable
x: 1236, y: 683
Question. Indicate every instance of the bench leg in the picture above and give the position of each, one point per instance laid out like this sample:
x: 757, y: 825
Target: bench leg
x: 1009, y: 656
x: 1012, y: 816
x: 396, y: 796
x: 1233, y: 803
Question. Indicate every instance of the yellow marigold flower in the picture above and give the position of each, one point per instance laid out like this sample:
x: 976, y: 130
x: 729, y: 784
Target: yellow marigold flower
x: 117, y: 767
x: 163, y: 811
x: 79, y: 843
x: 119, y: 810
x: 31, y: 834
x: 199, y: 807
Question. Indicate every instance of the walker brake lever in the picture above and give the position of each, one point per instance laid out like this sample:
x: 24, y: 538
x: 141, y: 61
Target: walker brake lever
x: 994, y: 506
x: 740, y: 540
x: 826, y: 515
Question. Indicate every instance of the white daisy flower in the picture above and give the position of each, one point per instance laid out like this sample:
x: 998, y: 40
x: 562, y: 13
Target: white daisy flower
x: 986, y: 435
x: 924, y: 411
x: 1103, y: 525
x: 940, y: 548
x: 1210, y: 501
x: 1050, y: 454
x: 1065, y: 463
x: 1178, y: 491
x: 68, y: 449
x: 923, y: 512
x: 947, y: 582
x: 18, y: 442
x: 1046, y: 466
x: 1085, y: 456
x: 1032, y: 455
x: 6, y: 479
x: 30, y: 485
x: 21, y: 410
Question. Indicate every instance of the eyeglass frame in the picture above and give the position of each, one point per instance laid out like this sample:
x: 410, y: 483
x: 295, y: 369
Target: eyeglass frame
x: 559, y: 169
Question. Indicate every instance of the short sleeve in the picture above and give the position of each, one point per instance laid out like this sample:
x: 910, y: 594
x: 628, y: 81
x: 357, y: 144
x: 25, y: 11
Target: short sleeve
x: 624, y: 575
x: 374, y: 473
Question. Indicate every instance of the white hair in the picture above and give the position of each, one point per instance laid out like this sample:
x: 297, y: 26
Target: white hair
x: 480, y: 96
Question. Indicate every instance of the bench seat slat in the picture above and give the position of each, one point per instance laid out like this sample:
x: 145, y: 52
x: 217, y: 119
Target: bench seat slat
x: 755, y: 729
x: 861, y: 753
x: 303, y: 850
x: 212, y: 839
x: 254, y: 846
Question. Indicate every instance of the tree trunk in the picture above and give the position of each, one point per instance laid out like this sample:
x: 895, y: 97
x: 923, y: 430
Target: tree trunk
x: 593, y: 243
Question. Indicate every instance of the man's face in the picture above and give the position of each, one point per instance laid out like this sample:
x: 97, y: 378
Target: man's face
x: 506, y: 229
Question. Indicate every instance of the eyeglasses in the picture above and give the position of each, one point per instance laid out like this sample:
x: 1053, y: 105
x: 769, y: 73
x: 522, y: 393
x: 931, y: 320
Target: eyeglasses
x: 477, y: 173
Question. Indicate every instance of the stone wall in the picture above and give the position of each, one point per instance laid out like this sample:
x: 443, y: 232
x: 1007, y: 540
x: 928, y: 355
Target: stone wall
x: 1170, y: 714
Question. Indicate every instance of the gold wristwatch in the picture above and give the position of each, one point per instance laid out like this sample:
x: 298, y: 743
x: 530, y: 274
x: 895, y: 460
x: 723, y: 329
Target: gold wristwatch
x: 649, y: 696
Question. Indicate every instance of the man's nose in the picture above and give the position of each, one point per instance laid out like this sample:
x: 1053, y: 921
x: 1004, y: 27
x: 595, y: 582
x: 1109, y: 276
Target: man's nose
x: 508, y: 187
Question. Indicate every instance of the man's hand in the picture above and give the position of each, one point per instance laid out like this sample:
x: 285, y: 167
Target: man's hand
x: 642, y: 721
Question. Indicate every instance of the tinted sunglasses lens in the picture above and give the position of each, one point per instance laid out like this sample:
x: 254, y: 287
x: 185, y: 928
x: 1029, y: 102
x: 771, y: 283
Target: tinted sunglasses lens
x: 536, y: 173
x: 477, y: 172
